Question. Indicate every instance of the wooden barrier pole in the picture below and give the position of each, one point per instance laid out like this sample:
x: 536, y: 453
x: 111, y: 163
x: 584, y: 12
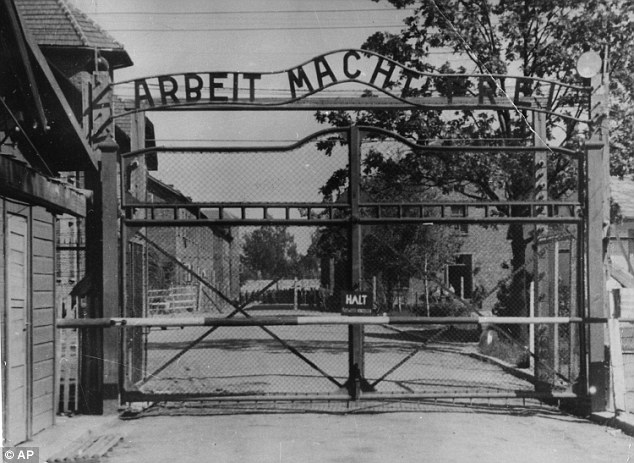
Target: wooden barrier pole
x: 290, y: 320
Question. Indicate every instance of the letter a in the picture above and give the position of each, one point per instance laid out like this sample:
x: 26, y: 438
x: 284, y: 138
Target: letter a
x: 139, y: 85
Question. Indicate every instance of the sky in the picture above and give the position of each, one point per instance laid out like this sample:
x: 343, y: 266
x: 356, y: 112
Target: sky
x: 236, y: 34
x: 166, y: 36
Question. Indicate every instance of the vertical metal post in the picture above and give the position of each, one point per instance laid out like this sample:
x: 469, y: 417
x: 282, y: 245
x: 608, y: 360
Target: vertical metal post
x: 133, y: 182
x: 97, y: 101
x: 554, y: 292
x: 123, y: 248
x: 356, y: 381
x: 597, y: 378
x: 110, y: 264
x: 542, y: 271
x: 581, y: 300
x: 104, y: 261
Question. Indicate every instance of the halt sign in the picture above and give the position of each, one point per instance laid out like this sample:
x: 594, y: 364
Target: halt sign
x: 356, y: 303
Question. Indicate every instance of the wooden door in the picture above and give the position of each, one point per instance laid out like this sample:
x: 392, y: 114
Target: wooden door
x: 17, y: 274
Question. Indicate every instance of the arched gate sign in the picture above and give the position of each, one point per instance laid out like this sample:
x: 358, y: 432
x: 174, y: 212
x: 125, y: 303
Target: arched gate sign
x: 440, y: 260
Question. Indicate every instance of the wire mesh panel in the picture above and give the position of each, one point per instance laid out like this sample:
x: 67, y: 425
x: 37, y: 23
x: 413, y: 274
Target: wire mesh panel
x: 438, y: 360
x: 244, y: 361
x: 447, y: 271
x: 197, y: 262
x: 470, y: 180
x: 239, y: 273
x: 233, y: 233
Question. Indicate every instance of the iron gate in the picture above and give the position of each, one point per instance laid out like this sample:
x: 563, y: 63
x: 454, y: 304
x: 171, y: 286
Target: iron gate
x: 444, y: 269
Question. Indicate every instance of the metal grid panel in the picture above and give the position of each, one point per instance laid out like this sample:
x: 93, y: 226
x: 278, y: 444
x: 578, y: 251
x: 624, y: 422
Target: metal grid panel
x: 436, y: 359
x: 198, y: 228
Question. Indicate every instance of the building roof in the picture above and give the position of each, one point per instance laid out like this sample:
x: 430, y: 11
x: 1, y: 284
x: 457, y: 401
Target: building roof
x: 28, y: 163
x: 56, y: 143
x: 170, y: 194
x: 623, y: 194
x: 57, y: 23
x: 259, y: 285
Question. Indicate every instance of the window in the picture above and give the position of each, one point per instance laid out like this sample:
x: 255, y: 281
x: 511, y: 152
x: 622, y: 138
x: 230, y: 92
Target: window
x: 460, y: 211
x: 460, y: 276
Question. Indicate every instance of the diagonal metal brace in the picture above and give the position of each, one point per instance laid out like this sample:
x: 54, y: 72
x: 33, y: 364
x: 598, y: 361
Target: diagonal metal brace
x: 238, y: 309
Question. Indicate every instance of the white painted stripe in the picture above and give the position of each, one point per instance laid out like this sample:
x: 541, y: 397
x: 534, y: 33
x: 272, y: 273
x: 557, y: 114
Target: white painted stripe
x: 312, y: 320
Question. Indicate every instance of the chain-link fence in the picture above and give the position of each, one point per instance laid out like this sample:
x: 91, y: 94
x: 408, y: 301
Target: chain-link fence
x: 234, y: 233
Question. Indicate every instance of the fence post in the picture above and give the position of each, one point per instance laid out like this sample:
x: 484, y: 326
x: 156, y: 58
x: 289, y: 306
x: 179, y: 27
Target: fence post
x: 100, y: 359
x: 598, y: 219
x: 110, y: 262
x: 356, y: 366
x: 543, y: 274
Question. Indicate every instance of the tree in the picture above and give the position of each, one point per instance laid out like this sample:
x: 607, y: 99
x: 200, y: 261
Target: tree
x: 391, y: 253
x: 542, y: 39
x: 269, y: 252
x: 396, y: 253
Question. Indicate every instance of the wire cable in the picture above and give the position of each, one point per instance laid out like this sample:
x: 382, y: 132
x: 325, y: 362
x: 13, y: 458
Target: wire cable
x: 259, y: 29
x: 198, y: 13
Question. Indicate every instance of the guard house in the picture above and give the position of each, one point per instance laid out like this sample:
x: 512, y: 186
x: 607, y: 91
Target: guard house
x: 75, y: 48
x: 49, y: 171
x: 39, y: 138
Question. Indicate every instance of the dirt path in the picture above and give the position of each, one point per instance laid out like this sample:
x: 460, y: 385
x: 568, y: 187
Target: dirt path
x: 249, y: 361
x: 428, y: 433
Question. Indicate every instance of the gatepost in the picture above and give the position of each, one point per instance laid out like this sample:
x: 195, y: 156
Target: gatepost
x: 598, y: 220
x: 356, y: 363
x: 101, y: 348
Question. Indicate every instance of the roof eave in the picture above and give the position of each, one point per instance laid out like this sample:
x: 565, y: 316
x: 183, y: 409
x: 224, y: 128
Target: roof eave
x: 75, y: 137
x: 18, y: 33
x: 117, y: 58
x: 21, y: 182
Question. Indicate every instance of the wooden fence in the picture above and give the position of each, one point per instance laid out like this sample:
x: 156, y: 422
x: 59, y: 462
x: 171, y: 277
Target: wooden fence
x: 173, y: 301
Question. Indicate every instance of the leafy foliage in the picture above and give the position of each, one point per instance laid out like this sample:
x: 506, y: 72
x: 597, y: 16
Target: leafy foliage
x: 392, y: 254
x: 271, y: 252
x: 538, y: 38
x: 541, y: 38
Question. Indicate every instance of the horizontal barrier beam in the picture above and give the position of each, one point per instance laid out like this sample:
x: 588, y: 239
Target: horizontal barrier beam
x: 316, y: 320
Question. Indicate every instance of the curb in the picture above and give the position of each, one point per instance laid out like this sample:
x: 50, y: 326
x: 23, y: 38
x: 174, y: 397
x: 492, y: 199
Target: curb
x: 504, y: 366
x: 613, y: 420
x: 624, y: 422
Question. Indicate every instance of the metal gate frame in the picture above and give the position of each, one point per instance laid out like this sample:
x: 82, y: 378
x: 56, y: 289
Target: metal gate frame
x: 348, y: 215
x: 588, y: 213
